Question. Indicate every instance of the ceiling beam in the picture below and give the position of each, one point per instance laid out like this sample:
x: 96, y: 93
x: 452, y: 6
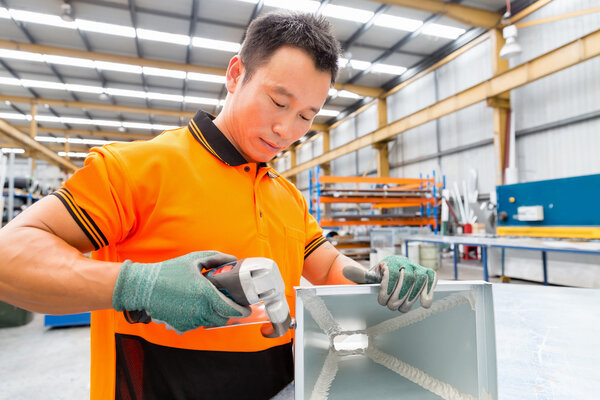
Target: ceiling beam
x: 467, y: 15
x: 563, y: 57
x: 30, y: 144
x: 97, y: 106
x: 146, y: 62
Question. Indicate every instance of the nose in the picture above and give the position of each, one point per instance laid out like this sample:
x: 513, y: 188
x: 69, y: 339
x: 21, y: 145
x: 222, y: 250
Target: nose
x: 283, y: 127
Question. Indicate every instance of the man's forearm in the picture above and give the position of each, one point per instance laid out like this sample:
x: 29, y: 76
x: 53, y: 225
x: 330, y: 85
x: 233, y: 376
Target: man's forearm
x: 41, y: 272
x: 335, y: 275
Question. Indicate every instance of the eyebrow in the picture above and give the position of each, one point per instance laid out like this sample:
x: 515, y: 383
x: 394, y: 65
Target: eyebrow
x: 283, y: 91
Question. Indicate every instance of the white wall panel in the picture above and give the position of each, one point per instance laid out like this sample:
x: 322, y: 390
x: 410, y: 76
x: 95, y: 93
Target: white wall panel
x: 413, y: 97
x: 464, y: 71
x: 567, y: 93
x: 466, y: 126
x: 457, y: 167
x: 343, y: 134
x: 366, y: 122
x: 559, y: 153
x: 417, y: 142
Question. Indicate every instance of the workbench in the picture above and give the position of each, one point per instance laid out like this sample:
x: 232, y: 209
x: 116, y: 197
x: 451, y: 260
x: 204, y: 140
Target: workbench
x: 486, y: 242
x: 547, y: 343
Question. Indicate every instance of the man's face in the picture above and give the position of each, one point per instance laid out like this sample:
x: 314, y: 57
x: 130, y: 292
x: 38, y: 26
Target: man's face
x: 276, y: 106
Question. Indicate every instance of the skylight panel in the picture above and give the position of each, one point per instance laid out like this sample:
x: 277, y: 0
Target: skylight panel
x: 347, y: 13
x: 400, y: 23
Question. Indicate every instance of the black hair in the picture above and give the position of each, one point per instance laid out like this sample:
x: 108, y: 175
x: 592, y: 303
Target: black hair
x: 307, y: 32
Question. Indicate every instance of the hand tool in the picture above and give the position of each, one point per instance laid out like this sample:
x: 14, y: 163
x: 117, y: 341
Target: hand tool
x: 247, y: 281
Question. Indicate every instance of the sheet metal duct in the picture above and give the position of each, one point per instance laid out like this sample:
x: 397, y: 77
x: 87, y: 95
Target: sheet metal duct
x: 350, y: 347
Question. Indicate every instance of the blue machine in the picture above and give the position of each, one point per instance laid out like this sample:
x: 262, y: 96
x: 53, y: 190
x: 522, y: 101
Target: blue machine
x: 553, y: 208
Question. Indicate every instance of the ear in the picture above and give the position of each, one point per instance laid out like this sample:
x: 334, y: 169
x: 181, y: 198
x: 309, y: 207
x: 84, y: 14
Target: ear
x: 235, y: 73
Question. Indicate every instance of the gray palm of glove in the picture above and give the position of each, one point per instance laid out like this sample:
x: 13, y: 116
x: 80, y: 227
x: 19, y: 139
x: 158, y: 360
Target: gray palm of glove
x: 402, y: 282
x: 175, y: 291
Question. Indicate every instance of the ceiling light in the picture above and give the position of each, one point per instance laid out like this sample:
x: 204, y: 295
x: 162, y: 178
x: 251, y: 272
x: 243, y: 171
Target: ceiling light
x: 6, y: 150
x: 388, y: 69
x: 511, y: 48
x: 102, y: 27
x: 122, y: 129
x: 157, y: 36
x: 400, y: 23
x: 66, y: 12
x: 343, y: 93
x: 118, y: 67
x: 167, y: 73
x: 201, y: 100
x: 445, y: 31
x: 85, y: 121
x: 216, y: 44
x: 347, y: 13
x: 294, y: 5
x: 7, y: 102
x: 328, y: 113
x: 72, y: 154
x: 92, y: 142
x: 195, y: 76
x: 103, y: 96
x: 39, y: 18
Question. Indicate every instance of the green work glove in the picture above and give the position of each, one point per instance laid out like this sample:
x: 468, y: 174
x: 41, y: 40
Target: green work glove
x: 402, y: 282
x: 175, y: 291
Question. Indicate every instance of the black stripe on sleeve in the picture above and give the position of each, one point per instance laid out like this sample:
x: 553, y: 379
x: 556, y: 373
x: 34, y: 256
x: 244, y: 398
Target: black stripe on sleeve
x: 91, y: 221
x: 313, y: 245
x: 81, y: 225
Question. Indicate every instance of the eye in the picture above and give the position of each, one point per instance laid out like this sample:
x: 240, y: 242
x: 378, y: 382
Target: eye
x: 277, y: 104
x: 304, y: 118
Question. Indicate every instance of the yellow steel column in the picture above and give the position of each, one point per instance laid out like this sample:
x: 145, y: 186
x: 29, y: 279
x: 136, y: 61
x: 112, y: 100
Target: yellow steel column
x: 326, y: 167
x: 67, y: 146
x: 33, y: 134
x: 500, y: 103
x: 383, y: 161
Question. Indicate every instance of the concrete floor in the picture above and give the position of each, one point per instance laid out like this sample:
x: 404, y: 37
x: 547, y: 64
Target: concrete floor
x: 42, y: 363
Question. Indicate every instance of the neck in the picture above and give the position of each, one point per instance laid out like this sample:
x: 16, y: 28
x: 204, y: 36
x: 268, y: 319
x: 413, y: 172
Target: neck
x: 224, y: 122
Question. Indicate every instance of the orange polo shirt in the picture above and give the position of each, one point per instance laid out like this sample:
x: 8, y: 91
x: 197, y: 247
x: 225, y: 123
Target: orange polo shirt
x: 187, y: 190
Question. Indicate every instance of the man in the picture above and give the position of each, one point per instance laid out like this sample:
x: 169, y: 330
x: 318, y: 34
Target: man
x: 194, y: 197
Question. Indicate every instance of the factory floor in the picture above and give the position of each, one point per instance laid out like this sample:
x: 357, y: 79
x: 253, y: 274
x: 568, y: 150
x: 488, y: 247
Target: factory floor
x: 42, y: 363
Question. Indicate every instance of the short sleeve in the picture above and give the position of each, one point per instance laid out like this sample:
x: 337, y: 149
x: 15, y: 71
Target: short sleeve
x: 314, y: 234
x: 99, y: 197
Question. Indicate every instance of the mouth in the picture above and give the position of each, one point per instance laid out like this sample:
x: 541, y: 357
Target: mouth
x: 272, y: 147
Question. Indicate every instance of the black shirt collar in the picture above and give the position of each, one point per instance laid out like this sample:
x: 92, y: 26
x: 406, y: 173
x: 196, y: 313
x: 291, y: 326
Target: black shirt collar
x: 208, y: 135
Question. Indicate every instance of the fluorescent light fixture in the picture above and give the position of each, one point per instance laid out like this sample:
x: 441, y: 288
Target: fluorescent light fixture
x: 85, y: 121
x: 16, y: 116
x: 354, y: 64
x: 444, y: 31
x: 142, y: 125
x: 400, y: 23
x: 92, y: 142
x: 328, y: 113
x: 157, y: 36
x: 72, y: 154
x: 118, y: 67
x: 7, y: 150
x: 110, y: 66
x: 84, y: 88
x: 70, y: 61
x: 107, y: 29
x: 201, y: 100
x: 4, y: 13
x: 216, y: 44
x: 388, y: 69
x: 109, y: 91
x: 344, y: 94
x: 294, y: 5
x: 39, y: 18
x: 167, y: 73
x: 347, y: 13
x: 21, y: 55
x: 195, y: 76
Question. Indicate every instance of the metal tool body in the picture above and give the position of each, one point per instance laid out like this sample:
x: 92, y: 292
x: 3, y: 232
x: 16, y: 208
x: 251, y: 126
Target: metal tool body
x: 247, y: 281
